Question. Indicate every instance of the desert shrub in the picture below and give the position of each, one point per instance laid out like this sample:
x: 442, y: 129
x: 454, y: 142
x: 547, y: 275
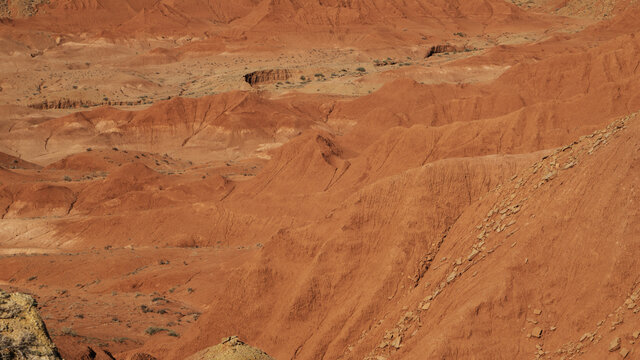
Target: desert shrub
x: 68, y: 331
x: 152, y: 330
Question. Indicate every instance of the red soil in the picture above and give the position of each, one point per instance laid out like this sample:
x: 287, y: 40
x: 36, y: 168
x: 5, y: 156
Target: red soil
x: 439, y: 220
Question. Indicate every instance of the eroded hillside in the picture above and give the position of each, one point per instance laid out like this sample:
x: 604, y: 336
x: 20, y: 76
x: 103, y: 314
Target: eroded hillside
x: 324, y: 179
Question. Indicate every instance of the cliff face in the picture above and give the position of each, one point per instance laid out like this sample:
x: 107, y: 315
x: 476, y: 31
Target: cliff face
x: 439, y: 49
x: 23, y: 334
x: 267, y: 76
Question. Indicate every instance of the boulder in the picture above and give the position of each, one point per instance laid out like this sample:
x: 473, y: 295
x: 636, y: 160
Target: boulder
x: 23, y: 334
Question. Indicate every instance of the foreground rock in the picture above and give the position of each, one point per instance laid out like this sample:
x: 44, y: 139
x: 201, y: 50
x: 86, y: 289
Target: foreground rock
x: 23, y: 334
x: 231, y: 348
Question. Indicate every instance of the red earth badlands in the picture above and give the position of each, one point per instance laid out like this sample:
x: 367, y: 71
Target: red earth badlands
x: 393, y: 212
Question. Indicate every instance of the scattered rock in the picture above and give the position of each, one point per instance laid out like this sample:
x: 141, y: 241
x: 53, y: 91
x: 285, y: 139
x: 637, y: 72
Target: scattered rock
x: 537, y: 311
x: 536, y: 332
x: 396, y: 342
x: 624, y: 352
x: 451, y: 277
x: 614, y: 344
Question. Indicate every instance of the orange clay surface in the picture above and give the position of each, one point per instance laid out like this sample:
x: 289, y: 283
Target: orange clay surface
x: 365, y: 179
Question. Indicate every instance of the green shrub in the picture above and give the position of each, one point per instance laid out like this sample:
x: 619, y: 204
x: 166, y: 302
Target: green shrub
x: 152, y: 330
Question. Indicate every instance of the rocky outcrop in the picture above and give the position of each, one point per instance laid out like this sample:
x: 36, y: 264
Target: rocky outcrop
x: 267, y: 76
x: 20, y: 8
x: 75, y: 104
x: 439, y: 49
x: 23, y: 334
x: 231, y: 348
x: 62, y: 104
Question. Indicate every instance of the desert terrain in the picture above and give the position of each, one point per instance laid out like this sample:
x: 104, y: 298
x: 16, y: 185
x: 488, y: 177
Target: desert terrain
x: 319, y: 179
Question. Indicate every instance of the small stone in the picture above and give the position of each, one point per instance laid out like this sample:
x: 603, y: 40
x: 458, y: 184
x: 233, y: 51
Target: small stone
x: 451, y: 277
x: 624, y: 352
x: 614, y: 344
x: 396, y: 342
x: 584, y: 336
x: 536, y: 332
x: 473, y: 254
x: 636, y: 334
x: 537, y: 311
x: 553, y: 328
x: 425, y: 306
